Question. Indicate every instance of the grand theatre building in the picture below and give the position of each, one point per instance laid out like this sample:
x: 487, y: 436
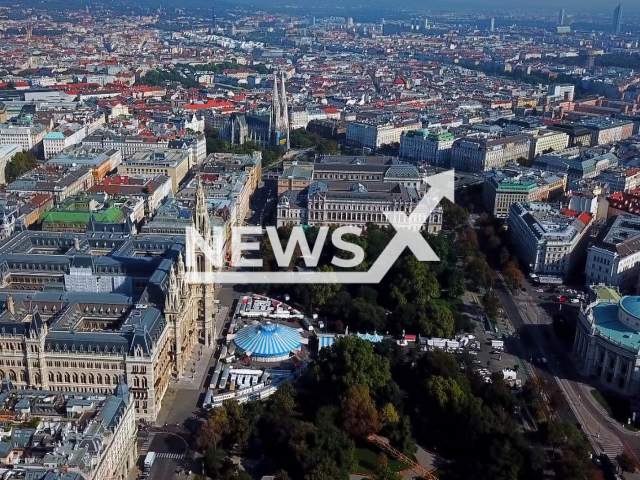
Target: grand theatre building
x: 607, y: 342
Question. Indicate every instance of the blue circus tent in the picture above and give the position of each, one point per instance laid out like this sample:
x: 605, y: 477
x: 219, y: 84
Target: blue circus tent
x: 268, y: 342
x: 375, y: 338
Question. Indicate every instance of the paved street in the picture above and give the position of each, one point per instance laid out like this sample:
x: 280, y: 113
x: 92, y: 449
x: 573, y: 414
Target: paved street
x: 464, y: 180
x: 263, y: 201
x: 530, y: 313
x: 171, y: 455
x: 487, y: 357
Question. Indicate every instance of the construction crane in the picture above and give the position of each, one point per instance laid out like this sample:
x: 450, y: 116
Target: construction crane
x: 421, y: 471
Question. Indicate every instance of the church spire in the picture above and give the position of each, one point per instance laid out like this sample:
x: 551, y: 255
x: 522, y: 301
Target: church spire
x: 284, y: 108
x: 275, y: 104
x: 201, y: 214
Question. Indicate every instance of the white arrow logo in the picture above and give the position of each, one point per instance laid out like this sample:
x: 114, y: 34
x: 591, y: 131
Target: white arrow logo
x: 407, y: 235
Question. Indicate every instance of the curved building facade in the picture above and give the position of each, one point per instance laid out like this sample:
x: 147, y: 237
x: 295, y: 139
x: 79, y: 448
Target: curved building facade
x: 607, y: 342
x: 268, y: 342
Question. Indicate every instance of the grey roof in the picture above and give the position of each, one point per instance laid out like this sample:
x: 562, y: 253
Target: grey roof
x: 402, y: 172
x: 21, y: 437
x: 112, y: 411
x: 5, y: 449
x: 145, y: 257
x: 380, y: 191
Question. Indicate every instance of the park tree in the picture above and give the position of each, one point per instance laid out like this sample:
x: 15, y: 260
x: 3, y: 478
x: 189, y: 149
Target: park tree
x: 400, y: 436
x: 365, y: 316
x: 215, y: 462
x: 359, y: 415
x: 243, y: 420
x: 627, y: 464
x: 377, y: 240
x: 478, y: 273
x: 388, y: 414
x: 327, y: 469
x: 470, y: 236
x: 453, y: 215
x: 271, y: 155
x: 571, y: 466
x: 282, y: 475
x: 383, y: 472
x: 406, y: 317
x: 493, y: 242
x: 322, y: 293
x: 503, y: 256
x: 556, y: 400
x: 330, y: 441
x: 564, y: 436
x: 457, y: 283
x: 214, y: 429
x: 445, y: 391
x: 413, y: 281
x: 339, y: 306
x: 443, y: 249
x: 350, y: 361
x: 513, y: 276
x: 488, y: 230
x: 283, y: 401
x: 436, y: 320
x: 19, y: 164
x: 491, y: 303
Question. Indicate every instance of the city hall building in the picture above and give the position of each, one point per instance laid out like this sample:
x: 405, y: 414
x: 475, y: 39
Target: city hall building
x: 81, y: 311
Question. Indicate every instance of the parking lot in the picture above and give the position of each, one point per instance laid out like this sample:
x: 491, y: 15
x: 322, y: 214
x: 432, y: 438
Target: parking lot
x: 487, y: 358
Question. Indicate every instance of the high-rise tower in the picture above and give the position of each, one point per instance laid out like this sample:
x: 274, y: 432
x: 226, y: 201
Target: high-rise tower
x: 561, y: 17
x: 617, y: 19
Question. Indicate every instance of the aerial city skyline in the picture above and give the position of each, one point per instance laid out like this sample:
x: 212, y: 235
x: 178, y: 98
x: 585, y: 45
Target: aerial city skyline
x: 205, y: 215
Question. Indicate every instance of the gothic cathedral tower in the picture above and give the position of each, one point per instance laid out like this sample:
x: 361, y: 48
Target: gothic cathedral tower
x: 202, y: 223
x: 279, y: 120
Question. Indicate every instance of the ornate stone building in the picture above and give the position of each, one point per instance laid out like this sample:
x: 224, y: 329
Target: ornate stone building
x: 88, y: 436
x: 91, y: 308
x: 265, y: 130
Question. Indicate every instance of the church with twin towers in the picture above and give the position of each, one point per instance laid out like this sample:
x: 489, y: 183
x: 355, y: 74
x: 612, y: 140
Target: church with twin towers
x: 267, y: 129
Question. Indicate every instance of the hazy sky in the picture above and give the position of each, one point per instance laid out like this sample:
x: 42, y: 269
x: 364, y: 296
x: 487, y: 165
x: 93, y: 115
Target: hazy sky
x: 600, y: 6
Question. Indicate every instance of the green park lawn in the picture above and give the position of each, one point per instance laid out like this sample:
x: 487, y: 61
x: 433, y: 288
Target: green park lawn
x: 368, y: 461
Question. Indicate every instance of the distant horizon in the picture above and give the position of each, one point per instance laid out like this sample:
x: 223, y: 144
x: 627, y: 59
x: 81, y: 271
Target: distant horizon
x: 571, y: 7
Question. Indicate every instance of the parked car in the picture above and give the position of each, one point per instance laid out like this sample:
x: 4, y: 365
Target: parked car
x: 540, y: 290
x: 562, y: 299
x: 575, y: 300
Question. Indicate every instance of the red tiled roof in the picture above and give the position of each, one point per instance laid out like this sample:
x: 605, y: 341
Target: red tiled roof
x: 40, y: 199
x: 585, y: 218
x: 16, y: 84
x: 209, y: 104
x: 569, y: 213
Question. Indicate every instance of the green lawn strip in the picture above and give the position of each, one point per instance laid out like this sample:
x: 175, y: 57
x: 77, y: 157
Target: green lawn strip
x: 367, y: 461
x: 601, y: 400
x: 617, y: 407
